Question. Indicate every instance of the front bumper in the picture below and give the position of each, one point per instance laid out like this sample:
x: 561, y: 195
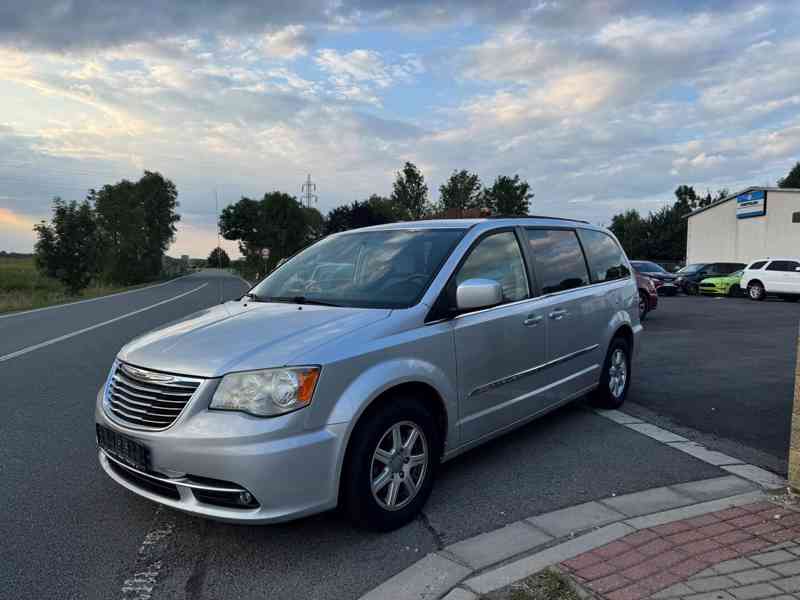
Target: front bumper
x: 205, y: 455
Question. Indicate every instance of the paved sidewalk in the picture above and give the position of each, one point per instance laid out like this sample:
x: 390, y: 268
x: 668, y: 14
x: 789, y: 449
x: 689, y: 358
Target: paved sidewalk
x: 737, y: 553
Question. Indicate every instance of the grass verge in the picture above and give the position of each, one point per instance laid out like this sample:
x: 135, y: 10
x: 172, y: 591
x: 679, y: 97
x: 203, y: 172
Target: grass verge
x: 22, y: 287
x: 546, y: 585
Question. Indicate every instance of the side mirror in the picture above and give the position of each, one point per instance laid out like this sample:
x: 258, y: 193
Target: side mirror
x: 478, y: 293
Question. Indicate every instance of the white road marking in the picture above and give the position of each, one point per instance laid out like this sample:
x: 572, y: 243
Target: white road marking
x: 149, y: 560
x: 141, y: 289
x: 67, y: 336
x: 757, y: 475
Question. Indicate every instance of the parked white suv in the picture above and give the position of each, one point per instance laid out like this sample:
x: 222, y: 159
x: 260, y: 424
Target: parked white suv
x: 774, y: 276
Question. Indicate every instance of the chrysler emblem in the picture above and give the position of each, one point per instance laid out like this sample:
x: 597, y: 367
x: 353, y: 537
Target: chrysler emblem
x: 143, y: 375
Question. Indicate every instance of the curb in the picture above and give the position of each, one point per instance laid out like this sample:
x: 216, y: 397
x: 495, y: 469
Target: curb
x: 493, y: 560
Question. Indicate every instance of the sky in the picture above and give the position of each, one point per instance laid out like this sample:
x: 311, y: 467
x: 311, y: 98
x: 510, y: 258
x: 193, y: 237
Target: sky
x: 602, y: 105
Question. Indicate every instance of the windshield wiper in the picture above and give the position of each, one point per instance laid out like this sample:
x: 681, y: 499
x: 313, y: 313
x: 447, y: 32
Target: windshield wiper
x: 252, y: 297
x: 303, y: 300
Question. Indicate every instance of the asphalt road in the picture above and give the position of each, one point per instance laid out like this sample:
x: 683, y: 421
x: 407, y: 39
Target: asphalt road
x: 723, y: 367
x: 70, y: 532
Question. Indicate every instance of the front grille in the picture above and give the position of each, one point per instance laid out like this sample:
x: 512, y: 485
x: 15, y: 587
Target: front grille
x: 147, y: 399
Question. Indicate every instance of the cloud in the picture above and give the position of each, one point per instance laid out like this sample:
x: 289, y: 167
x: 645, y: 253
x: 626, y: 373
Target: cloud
x: 287, y: 43
x: 360, y: 74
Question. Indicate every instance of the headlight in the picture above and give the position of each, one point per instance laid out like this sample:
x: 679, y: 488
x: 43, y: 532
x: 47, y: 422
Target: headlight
x: 266, y: 393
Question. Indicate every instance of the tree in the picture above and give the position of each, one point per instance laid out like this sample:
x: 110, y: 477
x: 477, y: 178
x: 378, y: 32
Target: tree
x: 68, y: 248
x: 218, y: 259
x: 631, y: 231
x: 410, y: 193
x: 792, y: 180
x: 462, y: 191
x: 277, y: 223
x: 159, y: 199
x: 509, y: 196
x: 376, y: 210
x: 136, y: 221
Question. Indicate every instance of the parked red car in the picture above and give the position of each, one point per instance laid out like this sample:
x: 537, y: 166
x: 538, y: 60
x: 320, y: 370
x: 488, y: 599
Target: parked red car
x: 648, y: 296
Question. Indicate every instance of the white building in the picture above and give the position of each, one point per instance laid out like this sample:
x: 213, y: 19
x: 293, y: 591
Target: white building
x: 756, y: 222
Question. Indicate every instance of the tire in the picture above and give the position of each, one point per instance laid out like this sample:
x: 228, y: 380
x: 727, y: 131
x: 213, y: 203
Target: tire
x: 755, y: 290
x: 691, y: 289
x: 643, y: 306
x: 734, y: 291
x: 365, y: 465
x: 613, y: 396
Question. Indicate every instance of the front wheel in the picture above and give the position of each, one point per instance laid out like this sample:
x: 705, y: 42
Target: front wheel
x: 616, y: 377
x: 391, y: 465
x: 756, y: 291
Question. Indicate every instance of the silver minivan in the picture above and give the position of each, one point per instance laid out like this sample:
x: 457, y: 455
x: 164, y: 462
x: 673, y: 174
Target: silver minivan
x: 349, y: 374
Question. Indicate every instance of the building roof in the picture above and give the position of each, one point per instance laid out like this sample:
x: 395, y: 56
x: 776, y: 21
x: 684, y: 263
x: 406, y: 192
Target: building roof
x: 752, y: 188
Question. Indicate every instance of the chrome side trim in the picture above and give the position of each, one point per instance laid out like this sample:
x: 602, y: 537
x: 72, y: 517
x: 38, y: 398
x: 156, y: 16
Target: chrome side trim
x: 508, y: 379
x: 182, y: 482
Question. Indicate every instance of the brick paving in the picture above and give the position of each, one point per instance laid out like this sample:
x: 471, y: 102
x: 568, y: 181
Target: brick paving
x: 743, y: 553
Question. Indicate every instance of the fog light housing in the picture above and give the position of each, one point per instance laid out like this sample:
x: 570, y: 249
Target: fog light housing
x: 245, y: 498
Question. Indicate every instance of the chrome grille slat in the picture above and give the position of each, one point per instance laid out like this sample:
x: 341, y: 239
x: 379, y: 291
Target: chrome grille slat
x: 147, y: 399
x: 174, y: 391
x: 122, y: 399
x: 124, y: 387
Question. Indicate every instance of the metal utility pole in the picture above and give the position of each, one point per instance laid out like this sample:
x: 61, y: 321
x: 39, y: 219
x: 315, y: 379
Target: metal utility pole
x: 308, y: 191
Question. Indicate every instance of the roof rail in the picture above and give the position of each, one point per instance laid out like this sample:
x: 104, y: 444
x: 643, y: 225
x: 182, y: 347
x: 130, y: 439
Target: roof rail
x: 536, y: 217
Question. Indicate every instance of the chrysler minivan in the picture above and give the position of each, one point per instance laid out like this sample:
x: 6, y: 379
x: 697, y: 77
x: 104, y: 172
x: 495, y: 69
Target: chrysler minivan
x: 351, y: 372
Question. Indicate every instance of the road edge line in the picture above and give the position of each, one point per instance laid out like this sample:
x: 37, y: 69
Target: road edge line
x: 66, y: 336
x: 54, y: 306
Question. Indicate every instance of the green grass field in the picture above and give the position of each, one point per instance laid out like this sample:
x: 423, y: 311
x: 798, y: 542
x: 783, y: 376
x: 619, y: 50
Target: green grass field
x: 22, y: 287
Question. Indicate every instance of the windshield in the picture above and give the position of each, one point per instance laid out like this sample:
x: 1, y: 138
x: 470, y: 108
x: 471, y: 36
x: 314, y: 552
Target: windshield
x: 692, y: 268
x: 647, y: 267
x: 370, y: 269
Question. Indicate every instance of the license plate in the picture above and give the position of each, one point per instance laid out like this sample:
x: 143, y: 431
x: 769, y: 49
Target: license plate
x: 124, y: 449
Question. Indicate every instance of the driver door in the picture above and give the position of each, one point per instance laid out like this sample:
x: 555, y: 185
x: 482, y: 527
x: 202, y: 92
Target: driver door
x: 499, y: 348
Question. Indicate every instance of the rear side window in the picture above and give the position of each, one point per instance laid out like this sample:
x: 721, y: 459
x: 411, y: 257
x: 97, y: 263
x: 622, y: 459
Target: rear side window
x: 758, y: 264
x: 497, y: 257
x: 606, y: 261
x: 558, y: 259
x: 783, y: 265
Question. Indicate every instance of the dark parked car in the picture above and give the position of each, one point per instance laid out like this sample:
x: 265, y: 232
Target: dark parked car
x: 690, y: 276
x: 648, y: 297
x: 662, y: 279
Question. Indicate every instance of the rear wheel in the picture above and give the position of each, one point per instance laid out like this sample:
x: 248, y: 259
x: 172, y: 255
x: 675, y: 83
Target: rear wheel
x: 391, y: 465
x: 616, y: 377
x: 755, y: 290
x: 643, y: 306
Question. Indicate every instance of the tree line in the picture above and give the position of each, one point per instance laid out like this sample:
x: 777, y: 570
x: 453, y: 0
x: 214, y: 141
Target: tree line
x: 117, y: 235
x: 278, y: 225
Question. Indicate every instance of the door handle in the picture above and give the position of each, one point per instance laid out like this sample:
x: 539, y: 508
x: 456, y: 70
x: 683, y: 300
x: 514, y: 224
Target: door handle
x: 558, y: 314
x: 532, y: 320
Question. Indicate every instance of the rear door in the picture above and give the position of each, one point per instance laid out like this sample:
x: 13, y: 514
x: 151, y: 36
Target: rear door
x: 782, y: 277
x: 500, y: 350
x: 574, y: 309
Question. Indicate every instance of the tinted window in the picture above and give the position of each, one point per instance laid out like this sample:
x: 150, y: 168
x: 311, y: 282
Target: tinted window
x: 783, y: 265
x: 647, y: 267
x: 498, y: 257
x: 381, y: 269
x: 606, y: 261
x: 694, y: 268
x: 558, y: 259
x: 758, y: 264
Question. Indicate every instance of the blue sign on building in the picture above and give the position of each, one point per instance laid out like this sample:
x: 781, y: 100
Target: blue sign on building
x: 751, y: 204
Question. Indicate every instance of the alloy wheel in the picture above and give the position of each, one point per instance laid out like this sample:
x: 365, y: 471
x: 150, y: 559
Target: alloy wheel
x: 618, y: 373
x: 399, y: 465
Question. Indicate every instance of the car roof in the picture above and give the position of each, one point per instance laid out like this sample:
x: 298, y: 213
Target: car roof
x: 469, y: 223
x: 769, y: 258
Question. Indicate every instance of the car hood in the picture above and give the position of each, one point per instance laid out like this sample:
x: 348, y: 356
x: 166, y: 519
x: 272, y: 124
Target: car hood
x: 239, y: 336
x: 723, y: 280
x: 662, y: 276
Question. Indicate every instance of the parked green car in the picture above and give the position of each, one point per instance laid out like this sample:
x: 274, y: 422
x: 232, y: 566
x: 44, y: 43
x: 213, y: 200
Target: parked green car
x: 728, y: 285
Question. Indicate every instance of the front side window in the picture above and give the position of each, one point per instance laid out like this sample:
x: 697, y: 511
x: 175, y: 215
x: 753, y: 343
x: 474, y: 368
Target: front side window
x: 606, y: 260
x: 369, y: 269
x: 558, y: 259
x: 757, y: 265
x: 497, y: 257
x: 783, y: 265
x: 644, y: 266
